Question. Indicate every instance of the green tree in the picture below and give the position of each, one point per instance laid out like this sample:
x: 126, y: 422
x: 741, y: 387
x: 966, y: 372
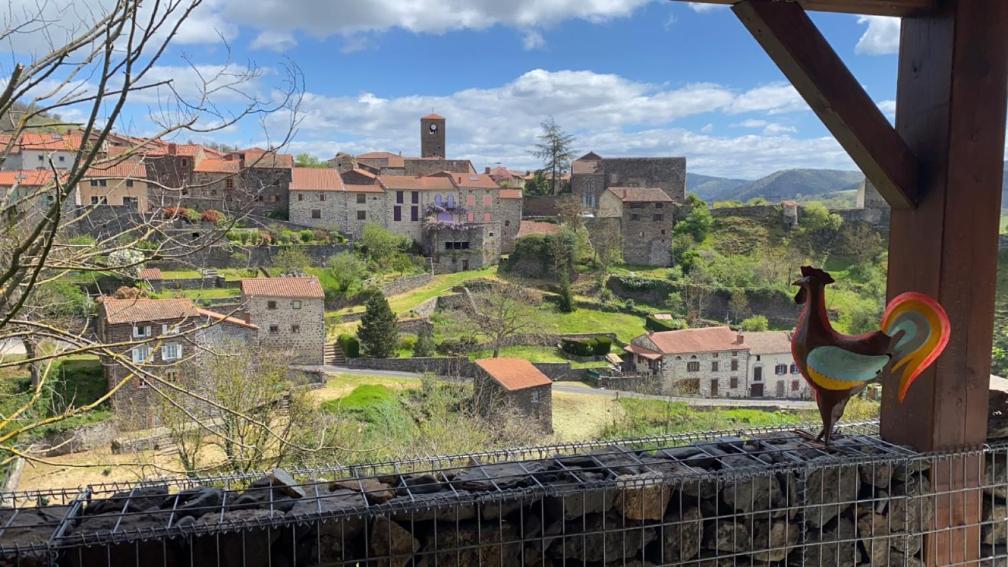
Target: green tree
x: 346, y: 270
x: 538, y: 185
x: 756, y: 323
x: 424, y: 345
x: 378, y: 332
x: 308, y: 160
x: 554, y: 149
x: 291, y: 260
x: 739, y: 303
x: 381, y: 245
x: 698, y: 222
x: 566, y: 303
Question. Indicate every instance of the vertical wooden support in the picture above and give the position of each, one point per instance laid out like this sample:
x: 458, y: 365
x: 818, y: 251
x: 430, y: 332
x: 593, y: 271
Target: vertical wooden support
x: 951, y: 112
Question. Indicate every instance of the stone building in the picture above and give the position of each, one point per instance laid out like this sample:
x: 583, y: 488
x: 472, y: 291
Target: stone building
x: 772, y: 371
x: 875, y: 209
x: 592, y: 174
x: 432, y: 136
x: 386, y: 163
x: 266, y: 176
x: 171, y: 166
x: 213, y: 184
x: 719, y: 362
x: 28, y: 191
x: 708, y: 363
x: 342, y: 161
x: 320, y: 198
x: 122, y: 184
x: 511, y: 384
x: 168, y: 338
x: 290, y: 314
x: 510, y: 203
x: 37, y: 150
x: 646, y: 218
x: 465, y: 246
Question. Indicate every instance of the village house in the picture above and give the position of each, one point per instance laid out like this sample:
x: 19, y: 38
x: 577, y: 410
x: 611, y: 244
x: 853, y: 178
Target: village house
x: 646, y: 216
x: 716, y: 362
x: 708, y: 362
x: 122, y: 184
x: 512, y: 384
x: 163, y: 337
x: 28, y: 191
x: 772, y: 371
x: 265, y: 176
x: 592, y: 174
x: 37, y: 150
x: 171, y: 166
x: 290, y: 312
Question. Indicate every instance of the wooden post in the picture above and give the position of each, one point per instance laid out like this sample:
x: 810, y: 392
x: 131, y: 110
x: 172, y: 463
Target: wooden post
x: 951, y: 99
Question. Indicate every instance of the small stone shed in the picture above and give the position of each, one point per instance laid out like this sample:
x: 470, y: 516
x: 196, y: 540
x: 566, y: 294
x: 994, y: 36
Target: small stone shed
x: 513, y: 384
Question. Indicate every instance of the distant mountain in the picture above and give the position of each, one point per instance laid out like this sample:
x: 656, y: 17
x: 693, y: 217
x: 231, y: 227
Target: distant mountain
x: 780, y: 185
x: 710, y: 188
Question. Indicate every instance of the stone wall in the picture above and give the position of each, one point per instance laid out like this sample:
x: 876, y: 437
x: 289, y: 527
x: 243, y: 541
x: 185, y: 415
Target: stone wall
x: 240, y: 257
x: 540, y: 206
x: 82, y: 438
x: 768, y: 499
x: 533, y: 406
x: 404, y: 284
x: 448, y: 367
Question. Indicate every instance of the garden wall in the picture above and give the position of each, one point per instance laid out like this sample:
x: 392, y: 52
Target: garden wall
x: 461, y: 367
x: 256, y: 256
x: 406, y: 283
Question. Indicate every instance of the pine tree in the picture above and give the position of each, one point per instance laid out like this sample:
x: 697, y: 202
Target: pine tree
x: 554, y: 149
x: 378, y: 333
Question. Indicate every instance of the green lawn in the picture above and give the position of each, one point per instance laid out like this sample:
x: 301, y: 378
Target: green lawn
x: 584, y: 320
x: 198, y: 294
x: 537, y: 354
x: 403, y: 302
x: 656, y: 272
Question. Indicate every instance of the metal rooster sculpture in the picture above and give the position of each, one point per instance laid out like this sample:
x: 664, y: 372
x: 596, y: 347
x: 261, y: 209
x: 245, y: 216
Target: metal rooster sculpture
x: 915, y: 330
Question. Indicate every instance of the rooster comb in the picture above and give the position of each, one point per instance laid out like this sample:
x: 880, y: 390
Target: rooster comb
x: 816, y: 274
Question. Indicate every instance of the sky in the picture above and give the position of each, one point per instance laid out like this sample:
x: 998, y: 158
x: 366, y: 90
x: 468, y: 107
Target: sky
x: 625, y: 77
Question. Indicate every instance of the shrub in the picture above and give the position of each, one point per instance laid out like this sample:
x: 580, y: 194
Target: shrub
x: 407, y: 342
x: 602, y: 345
x: 193, y: 215
x: 212, y: 216
x: 424, y: 345
x: 579, y: 347
x: 82, y: 240
x: 279, y: 213
x: 306, y: 235
x: 349, y: 344
x: 659, y: 325
x: 457, y: 347
x: 755, y: 323
x: 265, y: 237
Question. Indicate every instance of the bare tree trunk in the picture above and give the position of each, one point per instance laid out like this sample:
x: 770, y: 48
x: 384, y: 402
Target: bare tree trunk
x: 31, y: 353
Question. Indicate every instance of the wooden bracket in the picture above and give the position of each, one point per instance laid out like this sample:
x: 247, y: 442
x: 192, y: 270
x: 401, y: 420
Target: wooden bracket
x: 820, y: 76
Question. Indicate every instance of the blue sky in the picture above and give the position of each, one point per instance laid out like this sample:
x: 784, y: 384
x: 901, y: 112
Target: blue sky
x: 626, y: 77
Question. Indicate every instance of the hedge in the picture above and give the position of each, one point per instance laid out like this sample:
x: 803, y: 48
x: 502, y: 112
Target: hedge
x: 659, y: 325
x: 350, y: 345
x: 597, y: 346
x: 602, y: 345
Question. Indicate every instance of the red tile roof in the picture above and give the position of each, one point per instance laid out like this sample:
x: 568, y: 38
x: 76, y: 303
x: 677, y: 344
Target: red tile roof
x: 470, y: 180
x: 121, y: 170
x: 47, y: 141
x: 142, y: 309
x: 413, y: 183
x: 315, y: 179
x: 640, y: 194
x: 150, y: 274
x: 394, y: 160
x: 643, y: 352
x: 26, y: 178
x: 258, y: 157
x: 222, y: 318
x: 709, y: 339
x: 510, y: 194
x: 513, y: 373
x: 768, y: 342
x: 296, y: 287
x: 432, y: 116
x: 213, y: 165
x: 528, y: 227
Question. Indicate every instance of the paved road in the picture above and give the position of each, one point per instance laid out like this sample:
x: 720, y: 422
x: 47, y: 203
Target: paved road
x: 11, y: 347
x: 578, y: 388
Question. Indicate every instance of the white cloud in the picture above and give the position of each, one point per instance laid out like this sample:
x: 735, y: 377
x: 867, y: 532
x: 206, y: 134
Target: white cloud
x: 323, y: 18
x: 278, y: 41
x: 888, y: 107
x: 773, y: 99
x: 608, y: 113
x: 532, y: 39
x: 881, y: 38
x: 701, y: 7
x: 752, y: 123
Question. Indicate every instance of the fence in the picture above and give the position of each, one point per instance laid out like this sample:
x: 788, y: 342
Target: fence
x: 758, y: 497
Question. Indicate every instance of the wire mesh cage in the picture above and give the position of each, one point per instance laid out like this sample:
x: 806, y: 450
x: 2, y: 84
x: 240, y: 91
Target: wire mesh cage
x: 756, y: 497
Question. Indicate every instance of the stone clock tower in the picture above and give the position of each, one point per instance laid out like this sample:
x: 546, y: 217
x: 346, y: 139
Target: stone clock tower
x: 432, y: 136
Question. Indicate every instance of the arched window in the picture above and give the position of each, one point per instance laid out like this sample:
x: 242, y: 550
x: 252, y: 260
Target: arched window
x: 451, y: 201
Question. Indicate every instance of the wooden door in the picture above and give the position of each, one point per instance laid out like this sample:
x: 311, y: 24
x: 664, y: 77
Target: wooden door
x: 757, y: 390
x: 780, y: 389
x: 713, y: 388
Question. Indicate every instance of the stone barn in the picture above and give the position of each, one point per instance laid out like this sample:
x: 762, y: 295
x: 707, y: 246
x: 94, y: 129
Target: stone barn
x: 290, y: 312
x: 513, y: 383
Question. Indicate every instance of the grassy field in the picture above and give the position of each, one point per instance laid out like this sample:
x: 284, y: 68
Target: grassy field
x: 200, y: 294
x: 537, y: 354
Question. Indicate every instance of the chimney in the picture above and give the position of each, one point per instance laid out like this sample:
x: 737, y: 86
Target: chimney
x: 172, y: 149
x: 740, y: 339
x: 487, y: 170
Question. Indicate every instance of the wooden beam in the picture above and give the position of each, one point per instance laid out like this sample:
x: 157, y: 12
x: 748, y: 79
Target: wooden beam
x: 820, y: 76
x: 868, y: 7
x: 951, y: 108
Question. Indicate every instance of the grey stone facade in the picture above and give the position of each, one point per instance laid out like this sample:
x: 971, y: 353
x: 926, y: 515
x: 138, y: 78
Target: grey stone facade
x: 430, y: 166
x: 646, y: 218
x: 494, y: 401
x: 432, y: 136
x: 465, y: 247
x: 290, y: 314
x: 592, y: 174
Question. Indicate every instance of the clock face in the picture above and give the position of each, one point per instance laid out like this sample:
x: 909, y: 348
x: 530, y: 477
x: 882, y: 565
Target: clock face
x: 432, y: 128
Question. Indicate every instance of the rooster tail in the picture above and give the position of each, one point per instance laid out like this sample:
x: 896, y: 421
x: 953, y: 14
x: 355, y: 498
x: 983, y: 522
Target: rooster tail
x: 926, y: 329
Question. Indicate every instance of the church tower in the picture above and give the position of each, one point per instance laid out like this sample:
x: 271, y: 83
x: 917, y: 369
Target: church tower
x: 432, y: 136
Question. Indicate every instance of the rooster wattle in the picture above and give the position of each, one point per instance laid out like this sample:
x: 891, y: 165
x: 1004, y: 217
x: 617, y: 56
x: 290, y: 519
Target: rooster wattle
x: 915, y: 330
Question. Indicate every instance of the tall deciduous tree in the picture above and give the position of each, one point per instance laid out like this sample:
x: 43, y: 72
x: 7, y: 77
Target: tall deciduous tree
x: 555, y: 150
x: 497, y: 313
x: 378, y: 333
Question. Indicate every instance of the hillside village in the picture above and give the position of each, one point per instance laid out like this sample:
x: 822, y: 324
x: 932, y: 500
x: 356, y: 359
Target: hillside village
x: 616, y: 279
